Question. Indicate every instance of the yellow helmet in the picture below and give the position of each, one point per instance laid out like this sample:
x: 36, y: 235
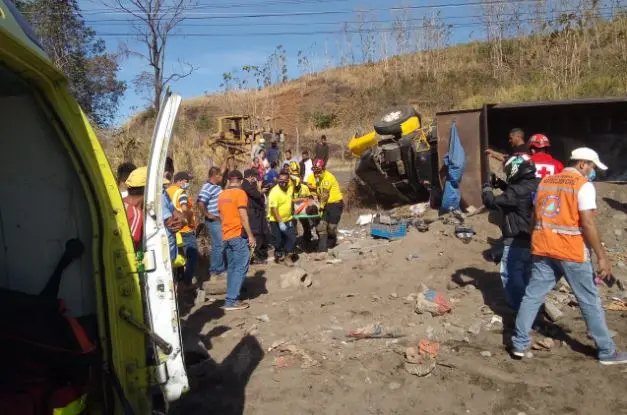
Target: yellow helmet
x: 294, y: 168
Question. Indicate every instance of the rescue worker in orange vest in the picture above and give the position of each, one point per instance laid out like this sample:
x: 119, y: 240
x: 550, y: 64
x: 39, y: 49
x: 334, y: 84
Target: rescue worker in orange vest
x: 563, y: 233
x: 183, y: 203
x: 546, y: 165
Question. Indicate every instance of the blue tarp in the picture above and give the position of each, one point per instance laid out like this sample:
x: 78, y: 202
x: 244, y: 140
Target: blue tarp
x: 454, y: 162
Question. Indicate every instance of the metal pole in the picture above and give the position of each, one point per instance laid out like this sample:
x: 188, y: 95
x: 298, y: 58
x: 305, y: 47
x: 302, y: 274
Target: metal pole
x: 297, y: 142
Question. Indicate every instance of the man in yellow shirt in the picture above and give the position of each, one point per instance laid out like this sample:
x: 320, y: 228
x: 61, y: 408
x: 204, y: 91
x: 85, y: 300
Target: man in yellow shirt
x: 327, y: 188
x: 280, y: 217
x: 301, y: 196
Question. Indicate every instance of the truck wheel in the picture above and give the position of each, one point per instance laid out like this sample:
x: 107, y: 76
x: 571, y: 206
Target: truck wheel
x: 391, y: 121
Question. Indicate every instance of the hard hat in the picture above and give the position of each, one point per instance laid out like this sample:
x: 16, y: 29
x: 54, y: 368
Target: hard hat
x: 539, y: 141
x: 294, y: 167
x: 138, y: 177
x: 318, y: 164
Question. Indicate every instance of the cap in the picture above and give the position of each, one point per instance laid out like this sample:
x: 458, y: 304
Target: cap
x: 137, y: 178
x: 235, y: 174
x: 182, y: 175
x: 587, y: 154
x: 251, y: 173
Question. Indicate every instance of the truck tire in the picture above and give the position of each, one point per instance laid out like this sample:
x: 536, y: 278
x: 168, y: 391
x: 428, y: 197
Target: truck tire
x: 391, y: 121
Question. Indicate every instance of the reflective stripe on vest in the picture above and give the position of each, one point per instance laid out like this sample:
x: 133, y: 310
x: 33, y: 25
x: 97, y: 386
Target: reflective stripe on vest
x: 564, y: 230
x: 556, y: 189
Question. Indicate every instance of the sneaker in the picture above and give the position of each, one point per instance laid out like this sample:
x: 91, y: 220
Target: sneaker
x: 238, y: 305
x: 618, y: 358
x: 515, y: 353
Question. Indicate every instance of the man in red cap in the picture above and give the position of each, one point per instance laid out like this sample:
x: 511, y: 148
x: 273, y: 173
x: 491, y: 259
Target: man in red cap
x: 546, y: 165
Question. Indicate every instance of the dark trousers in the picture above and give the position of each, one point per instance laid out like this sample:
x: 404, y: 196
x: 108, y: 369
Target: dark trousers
x: 283, y: 241
x: 327, y: 227
x: 260, y: 230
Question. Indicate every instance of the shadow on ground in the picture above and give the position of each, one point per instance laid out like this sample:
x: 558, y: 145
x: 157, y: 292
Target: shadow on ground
x: 220, y: 387
x: 616, y: 205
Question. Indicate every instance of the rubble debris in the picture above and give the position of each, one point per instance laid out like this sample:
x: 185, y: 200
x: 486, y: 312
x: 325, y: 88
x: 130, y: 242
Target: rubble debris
x: 433, y: 302
x: 496, y: 323
x: 296, y: 277
x: 276, y: 344
x: 264, y: 318
x: 617, y: 304
x: 334, y: 261
x: 375, y: 329
x: 365, y: 219
x: 420, y: 369
x: 486, y: 353
x: 544, y: 344
x: 421, y: 363
x: 412, y: 257
x: 421, y: 225
x: 464, y: 233
x: 475, y: 328
x: 429, y: 348
x: 291, y: 354
x: 393, y: 296
x: 552, y: 311
x: 215, y: 286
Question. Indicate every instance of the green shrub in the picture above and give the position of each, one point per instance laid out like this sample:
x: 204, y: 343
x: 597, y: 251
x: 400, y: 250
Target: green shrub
x: 322, y: 120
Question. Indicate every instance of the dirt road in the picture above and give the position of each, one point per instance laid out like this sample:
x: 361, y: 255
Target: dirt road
x: 324, y: 372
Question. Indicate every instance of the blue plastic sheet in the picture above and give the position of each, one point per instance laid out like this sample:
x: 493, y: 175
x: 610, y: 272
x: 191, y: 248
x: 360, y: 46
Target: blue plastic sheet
x: 454, y: 162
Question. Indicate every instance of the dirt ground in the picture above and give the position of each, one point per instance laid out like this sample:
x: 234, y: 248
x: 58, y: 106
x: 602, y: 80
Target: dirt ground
x: 319, y: 370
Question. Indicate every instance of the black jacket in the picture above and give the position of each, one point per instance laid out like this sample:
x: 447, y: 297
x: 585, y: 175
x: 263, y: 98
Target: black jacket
x: 516, y: 203
x: 256, y: 207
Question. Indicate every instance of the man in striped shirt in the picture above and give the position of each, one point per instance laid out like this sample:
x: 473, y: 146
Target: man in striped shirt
x: 208, y: 204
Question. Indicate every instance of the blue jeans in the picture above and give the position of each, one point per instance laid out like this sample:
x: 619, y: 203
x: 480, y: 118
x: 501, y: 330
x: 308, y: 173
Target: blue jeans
x: 190, y: 248
x: 284, y: 242
x: 217, y: 249
x: 544, y: 274
x: 237, y: 258
x: 515, y: 267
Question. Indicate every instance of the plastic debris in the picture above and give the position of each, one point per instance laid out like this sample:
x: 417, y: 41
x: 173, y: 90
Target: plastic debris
x: 412, y: 257
x: 365, y: 219
x: 433, y: 302
x: 370, y: 330
x: 419, y: 208
x: 429, y: 348
x: 464, y: 233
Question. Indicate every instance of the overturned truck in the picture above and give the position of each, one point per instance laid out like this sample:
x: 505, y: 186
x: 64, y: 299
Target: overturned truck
x: 599, y: 123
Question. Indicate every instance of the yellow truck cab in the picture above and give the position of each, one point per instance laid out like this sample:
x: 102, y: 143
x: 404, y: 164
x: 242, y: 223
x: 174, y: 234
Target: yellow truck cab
x: 67, y: 262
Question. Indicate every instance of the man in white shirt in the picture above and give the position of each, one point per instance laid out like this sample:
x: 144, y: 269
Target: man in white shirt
x: 563, y: 233
x: 306, y: 166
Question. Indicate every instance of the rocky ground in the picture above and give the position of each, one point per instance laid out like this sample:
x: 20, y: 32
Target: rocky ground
x: 291, y: 352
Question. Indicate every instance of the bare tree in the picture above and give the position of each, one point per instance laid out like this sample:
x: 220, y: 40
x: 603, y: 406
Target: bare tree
x: 154, y: 21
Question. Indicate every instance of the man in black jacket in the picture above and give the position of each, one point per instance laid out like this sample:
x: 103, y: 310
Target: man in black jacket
x: 256, y: 215
x: 516, y: 204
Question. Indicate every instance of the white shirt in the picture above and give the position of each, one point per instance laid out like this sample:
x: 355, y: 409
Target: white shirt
x: 587, y: 197
x: 308, y: 168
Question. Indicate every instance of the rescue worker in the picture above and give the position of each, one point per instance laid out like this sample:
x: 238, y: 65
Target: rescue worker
x: 280, y: 215
x: 327, y: 188
x: 301, y: 195
x: 517, y: 143
x: 237, y: 237
x: 256, y: 214
x: 563, y: 233
x: 516, y: 204
x: 124, y: 170
x: 208, y: 203
x: 134, y: 204
x: 183, y: 203
x: 546, y: 165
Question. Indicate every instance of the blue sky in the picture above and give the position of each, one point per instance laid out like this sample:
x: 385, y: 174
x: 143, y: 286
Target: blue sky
x: 249, y: 41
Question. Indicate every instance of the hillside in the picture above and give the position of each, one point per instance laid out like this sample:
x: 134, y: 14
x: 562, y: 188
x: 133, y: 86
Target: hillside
x: 585, y: 60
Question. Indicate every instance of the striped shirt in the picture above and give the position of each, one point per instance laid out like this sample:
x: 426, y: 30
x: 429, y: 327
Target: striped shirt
x: 208, y: 196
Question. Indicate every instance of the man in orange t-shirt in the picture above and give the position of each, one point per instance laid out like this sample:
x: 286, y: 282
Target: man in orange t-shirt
x: 233, y: 209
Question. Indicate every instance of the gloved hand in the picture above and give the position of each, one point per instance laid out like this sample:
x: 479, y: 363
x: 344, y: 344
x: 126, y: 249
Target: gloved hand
x: 283, y: 226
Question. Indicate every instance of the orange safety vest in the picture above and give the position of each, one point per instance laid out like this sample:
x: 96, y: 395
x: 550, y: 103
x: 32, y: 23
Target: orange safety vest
x: 557, y: 229
x: 175, y: 192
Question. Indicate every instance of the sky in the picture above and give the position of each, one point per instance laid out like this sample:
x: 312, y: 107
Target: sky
x: 221, y: 36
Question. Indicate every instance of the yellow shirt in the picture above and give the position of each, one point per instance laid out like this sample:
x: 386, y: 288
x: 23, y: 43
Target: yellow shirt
x: 302, y: 192
x: 326, y: 183
x: 282, y: 201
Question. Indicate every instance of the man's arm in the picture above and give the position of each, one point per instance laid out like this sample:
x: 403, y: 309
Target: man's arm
x: 243, y: 215
x: 275, y: 213
x: 203, y: 210
x: 495, y: 155
x: 591, y: 236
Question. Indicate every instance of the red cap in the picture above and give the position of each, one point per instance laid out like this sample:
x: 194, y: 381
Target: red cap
x: 318, y: 164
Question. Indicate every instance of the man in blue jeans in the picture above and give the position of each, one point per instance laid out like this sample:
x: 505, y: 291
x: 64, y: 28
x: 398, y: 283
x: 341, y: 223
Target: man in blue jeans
x: 563, y: 232
x: 208, y: 202
x: 516, y: 204
x: 233, y: 206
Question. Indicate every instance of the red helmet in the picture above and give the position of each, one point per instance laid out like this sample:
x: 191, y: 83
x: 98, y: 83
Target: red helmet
x: 318, y: 165
x: 539, y: 141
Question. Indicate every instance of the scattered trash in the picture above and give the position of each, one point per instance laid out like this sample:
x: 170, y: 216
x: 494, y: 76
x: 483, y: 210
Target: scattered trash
x: 412, y: 257
x: 264, y: 318
x: 291, y: 354
x: 375, y: 329
x: 345, y: 232
x: 464, y: 233
x: 470, y: 210
x: 475, y: 328
x: 393, y: 296
x: 486, y: 353
x: 552, y: 311
x: 365, y: 219
x: 296, y: 277
x: 334, y: 261
x: 420, y: 225
x: 429, y: 348
x: 419, y: 208
x: 431, y: 301
x: 617, y: 304
x: 496, y: 323
x: 388, y: 231
x: 384, y: 219
x: 276, y: 344
x: 410, y: 298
